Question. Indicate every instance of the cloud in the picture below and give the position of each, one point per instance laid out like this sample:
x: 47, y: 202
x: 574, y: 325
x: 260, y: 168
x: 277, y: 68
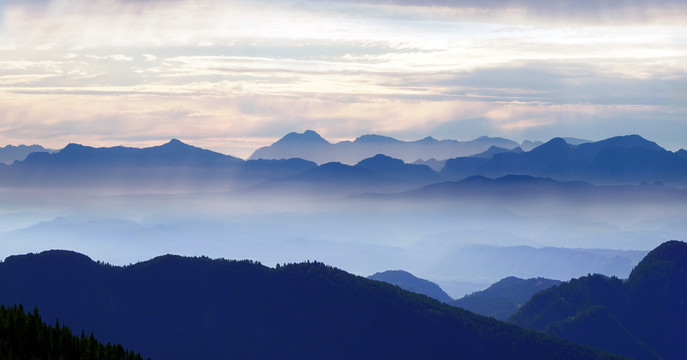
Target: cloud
x: 149, y: 57
x: 106, y: 71
x: 576, y: 10
x: 121, y: 57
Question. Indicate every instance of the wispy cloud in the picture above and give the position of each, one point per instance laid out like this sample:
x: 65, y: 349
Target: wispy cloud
x: 77, y: 70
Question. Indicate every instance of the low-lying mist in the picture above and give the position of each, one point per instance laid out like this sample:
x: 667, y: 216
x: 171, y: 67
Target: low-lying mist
x: 454, y: 240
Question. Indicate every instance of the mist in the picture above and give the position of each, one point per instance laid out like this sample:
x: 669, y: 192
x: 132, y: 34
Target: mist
x: 473, y: 240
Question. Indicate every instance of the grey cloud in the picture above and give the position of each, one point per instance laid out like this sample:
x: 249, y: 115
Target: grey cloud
x: 579, y: 10
x: 558, y: 83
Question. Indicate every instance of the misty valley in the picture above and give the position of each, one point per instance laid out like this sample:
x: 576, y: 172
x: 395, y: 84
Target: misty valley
x: 372, y: 248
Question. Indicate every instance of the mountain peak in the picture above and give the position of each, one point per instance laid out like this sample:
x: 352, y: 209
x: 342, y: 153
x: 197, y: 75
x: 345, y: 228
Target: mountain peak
x: 670, y: 258
x: 74, y: 149
x: 630, y: 141
x: 410, y: 282
x: 428, y: 139
x: 380, y: 161
x: 174, y: 141
x: 308, y: 136
x: 175, y: 144
x: 556, y: 144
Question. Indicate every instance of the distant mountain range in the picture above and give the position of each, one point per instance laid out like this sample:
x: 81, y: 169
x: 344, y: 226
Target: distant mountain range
x: 485, y: 262
x: 625, y: 160
x: 618, y: 160
x: 11, y: 153
x: 500, y: 300
x: 410, y: 282
x: 311, y: 146
x: 644, y: 317
x: 505, y: 297
x: 525, y: 187
x: 173, y: 307
x: 174, y: 164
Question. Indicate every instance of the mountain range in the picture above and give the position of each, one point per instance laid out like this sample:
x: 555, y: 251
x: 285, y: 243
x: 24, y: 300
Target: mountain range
x: 311, y: 146
x: 643, y: 317
x: 174, y: 164
x: 500, y: 300
x: 174, y: 307
x: 11, y: 153
x: 503, y: 298
x: 486, y: 263
x: 617, y: 161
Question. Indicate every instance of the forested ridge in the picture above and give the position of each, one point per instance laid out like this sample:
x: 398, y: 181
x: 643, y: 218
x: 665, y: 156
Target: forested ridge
x: 174, y: 307
x: 643, y: 317
x: 24, y: 336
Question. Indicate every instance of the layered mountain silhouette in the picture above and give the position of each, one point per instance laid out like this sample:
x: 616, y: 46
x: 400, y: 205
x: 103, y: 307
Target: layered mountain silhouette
x: 410, y: 282
x: 173, y: 163
x: 311, y: 146
x: 486, y: 262
x: 526, y: 187
x: 379, y: 173
x: 644, y: 317
x: 489, y: 153
x: 11, y: 153
x: 173, y: 307
x: 503, y: 298
x: 619, y: 160
x: 553, y: 166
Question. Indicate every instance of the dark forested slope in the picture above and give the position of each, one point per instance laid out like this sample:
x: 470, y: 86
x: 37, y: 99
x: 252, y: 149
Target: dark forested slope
x: 174, y: 307
x: 26, y: 336
x: 644, y: 317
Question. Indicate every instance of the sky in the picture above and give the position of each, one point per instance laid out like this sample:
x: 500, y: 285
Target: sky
x: 236, y: 75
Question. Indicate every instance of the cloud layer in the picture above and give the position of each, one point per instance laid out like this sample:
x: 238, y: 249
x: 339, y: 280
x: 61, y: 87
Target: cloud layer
x: 232, y: 74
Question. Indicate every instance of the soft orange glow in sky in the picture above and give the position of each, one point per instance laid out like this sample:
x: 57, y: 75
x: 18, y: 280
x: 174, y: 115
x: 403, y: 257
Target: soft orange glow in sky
x: 236, y: 75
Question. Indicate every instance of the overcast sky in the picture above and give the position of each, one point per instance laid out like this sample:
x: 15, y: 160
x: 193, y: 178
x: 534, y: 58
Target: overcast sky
x: 236, y: 75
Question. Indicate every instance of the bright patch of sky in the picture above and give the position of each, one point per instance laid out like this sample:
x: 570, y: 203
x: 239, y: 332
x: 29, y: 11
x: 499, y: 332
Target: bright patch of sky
x: 236, y: 75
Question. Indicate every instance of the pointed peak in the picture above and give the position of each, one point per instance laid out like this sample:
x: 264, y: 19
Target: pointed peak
x: 556, y: 143
x: 176, y: 143
x: 428, y: 139
x: 73, y: 147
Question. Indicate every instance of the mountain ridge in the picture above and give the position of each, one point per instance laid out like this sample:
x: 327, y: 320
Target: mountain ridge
x: 248, y: 310
x: 503, y: 298
x: 410, y: 282
x: 643, y: 317
x: 365, y: 146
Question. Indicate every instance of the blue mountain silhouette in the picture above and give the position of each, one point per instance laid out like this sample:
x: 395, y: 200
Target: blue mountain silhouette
x: 174, y: 163
x: 410, y: 282
x: 174, y: 307
x: 10, y: 153
x: 503, y: 298
x: 643, y: 317
x: 618, y: 160
x: 311, y: 146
